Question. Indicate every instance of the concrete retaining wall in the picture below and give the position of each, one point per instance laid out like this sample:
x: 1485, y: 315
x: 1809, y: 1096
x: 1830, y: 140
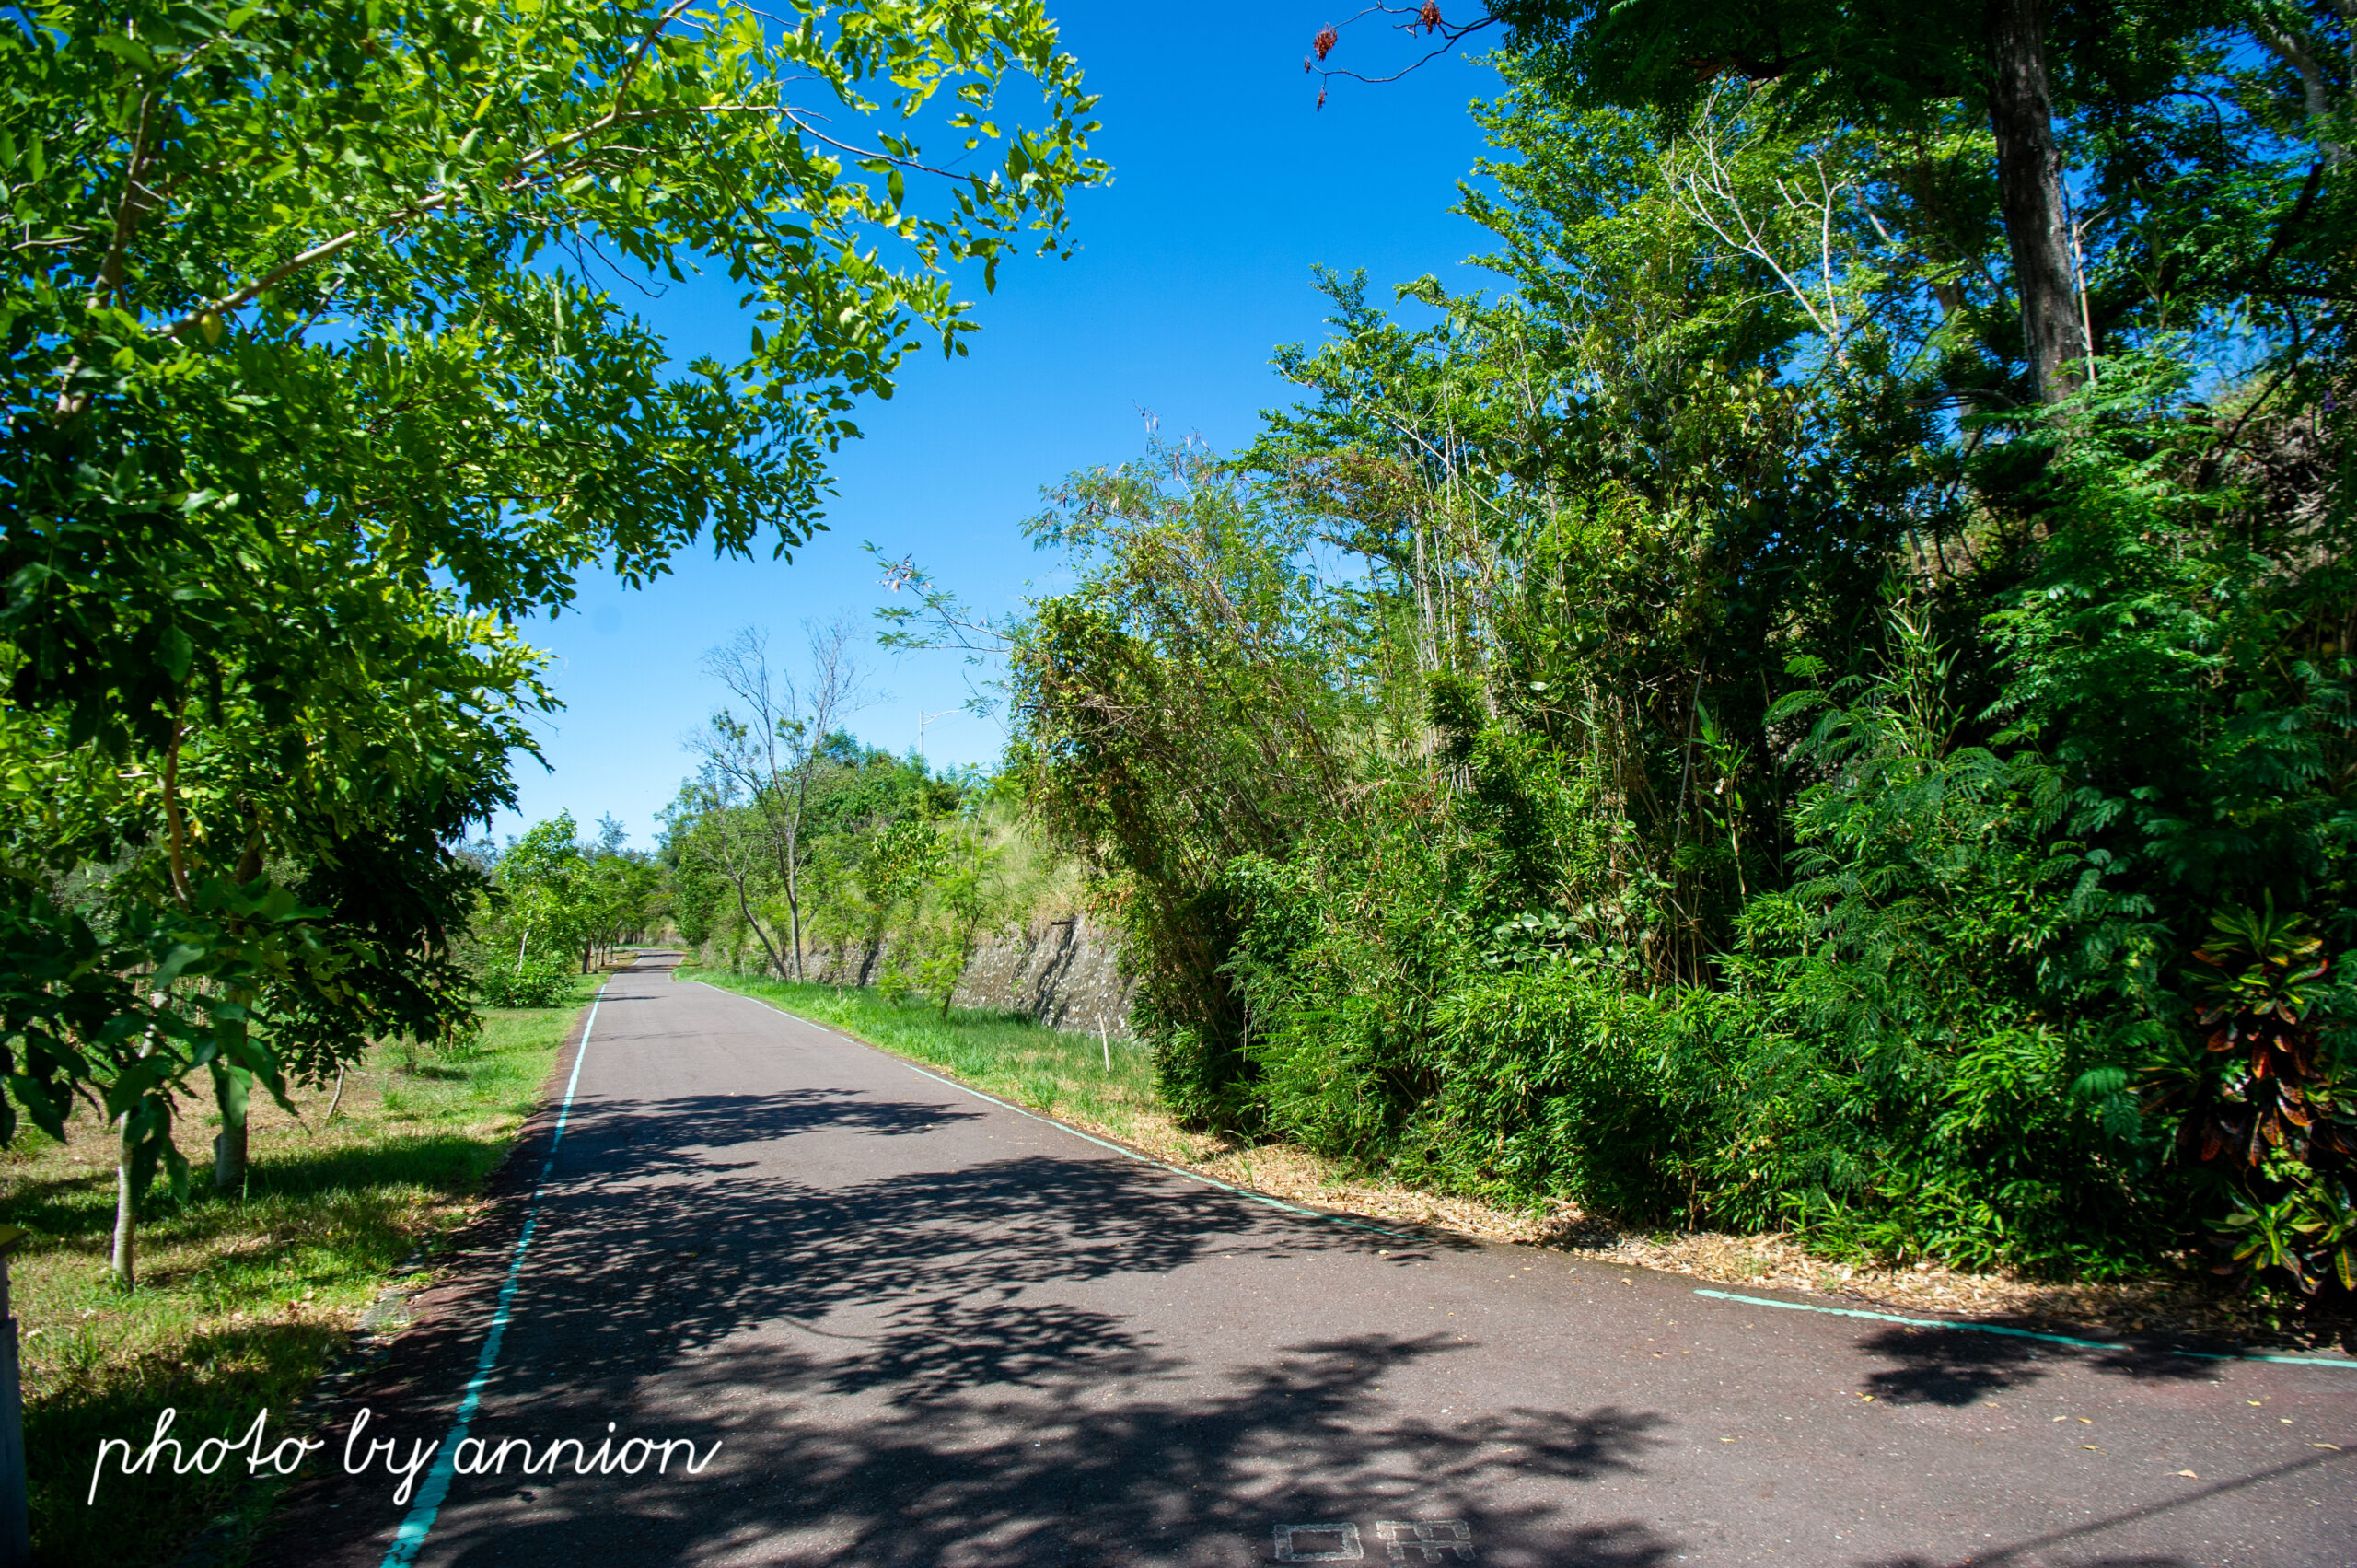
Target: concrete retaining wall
x: 1064, y: 973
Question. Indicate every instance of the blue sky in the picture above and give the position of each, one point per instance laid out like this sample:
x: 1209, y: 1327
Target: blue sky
x: 1229, y: 187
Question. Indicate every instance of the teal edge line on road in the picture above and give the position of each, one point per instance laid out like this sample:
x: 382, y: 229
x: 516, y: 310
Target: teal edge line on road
x: 410, y: 1540
x: 1101, y: 1142
x: 2023, y: 1333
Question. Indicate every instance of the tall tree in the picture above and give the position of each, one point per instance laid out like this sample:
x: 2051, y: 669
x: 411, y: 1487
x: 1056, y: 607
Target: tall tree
x: 774, y: 749
x: 1886, y: 64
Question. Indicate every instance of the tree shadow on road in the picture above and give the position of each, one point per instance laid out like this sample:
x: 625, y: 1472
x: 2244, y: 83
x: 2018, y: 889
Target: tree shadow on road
x: 1943, y: 1367
x: 1960, y: 1366
x: 910, y: 1398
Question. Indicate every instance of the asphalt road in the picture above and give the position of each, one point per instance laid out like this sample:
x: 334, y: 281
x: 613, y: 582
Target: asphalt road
x: 926, y: 1328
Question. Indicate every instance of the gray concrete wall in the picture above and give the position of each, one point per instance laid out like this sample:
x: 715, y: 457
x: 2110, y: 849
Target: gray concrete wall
x: 1064, y: 973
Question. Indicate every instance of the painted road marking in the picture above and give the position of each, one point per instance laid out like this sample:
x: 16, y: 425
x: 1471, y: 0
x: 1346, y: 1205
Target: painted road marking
x: 2025, y: 1334
x: 1326, y: 1543
x: 410, y: 1540
x: 1433, y: 1537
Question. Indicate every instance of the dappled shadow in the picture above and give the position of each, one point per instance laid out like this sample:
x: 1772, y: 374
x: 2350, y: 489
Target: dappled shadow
x: 2158, y: 1360
x: 1958, y: 1367
x: 1948, y: 1366
x: 641, y: 1138
x: 922, y: 1366
x: 929, y: 1350
x: 367, y: 1193
x: 1098, y: 1472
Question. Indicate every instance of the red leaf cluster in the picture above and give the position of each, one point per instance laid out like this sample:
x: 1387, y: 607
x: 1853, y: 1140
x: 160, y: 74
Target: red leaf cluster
x: 1429, y: 15
x: 1325, y: 41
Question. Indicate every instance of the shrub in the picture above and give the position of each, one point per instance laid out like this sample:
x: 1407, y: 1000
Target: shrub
x: 541, y: 983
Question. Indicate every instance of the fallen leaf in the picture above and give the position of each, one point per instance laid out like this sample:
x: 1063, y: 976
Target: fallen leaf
x: 2334, y: 1446
x: 2085, y: 1422
x: 2254, y: 1401
x: 2061, y: 1418
x: 2090, y: 1446
x: 2188, y: 1475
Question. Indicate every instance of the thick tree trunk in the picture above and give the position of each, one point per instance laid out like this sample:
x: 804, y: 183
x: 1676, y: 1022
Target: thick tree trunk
x: 2029, y: 195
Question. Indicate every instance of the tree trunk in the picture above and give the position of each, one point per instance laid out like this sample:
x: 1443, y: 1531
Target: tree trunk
x: 2029, y: 195
x: 753, y: 923
x: 793, y: 897
x: 232, y: 1088
x: 794, y: 918
x: 125, y: 1266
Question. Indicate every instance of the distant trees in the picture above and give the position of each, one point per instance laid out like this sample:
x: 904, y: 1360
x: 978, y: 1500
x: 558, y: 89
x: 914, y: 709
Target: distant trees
x: 561, y: 904
x: 893, y: 861
x: 766, y: 753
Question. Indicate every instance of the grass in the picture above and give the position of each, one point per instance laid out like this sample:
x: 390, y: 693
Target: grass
x: 1004, y: 1054
x: 243, y: 1298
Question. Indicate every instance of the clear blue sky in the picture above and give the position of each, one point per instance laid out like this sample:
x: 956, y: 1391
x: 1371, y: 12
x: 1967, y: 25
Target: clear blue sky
x: 1228, y: 186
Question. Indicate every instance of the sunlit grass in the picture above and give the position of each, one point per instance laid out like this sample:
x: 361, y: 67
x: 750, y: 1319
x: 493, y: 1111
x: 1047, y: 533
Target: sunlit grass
x: 1108, y: 1083
x: 244, y: 1298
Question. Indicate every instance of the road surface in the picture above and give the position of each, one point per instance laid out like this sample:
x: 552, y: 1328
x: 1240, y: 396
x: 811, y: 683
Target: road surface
x: 925, y: 1329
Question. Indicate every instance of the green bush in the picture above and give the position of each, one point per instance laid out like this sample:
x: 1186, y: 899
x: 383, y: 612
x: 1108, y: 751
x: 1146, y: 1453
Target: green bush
x: 541, y: 983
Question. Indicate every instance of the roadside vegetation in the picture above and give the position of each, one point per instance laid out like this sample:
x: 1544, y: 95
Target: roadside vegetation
x: 313, y: 394
x: 798, y: 852
x: 246, y: 1297
x: 1802, y: 712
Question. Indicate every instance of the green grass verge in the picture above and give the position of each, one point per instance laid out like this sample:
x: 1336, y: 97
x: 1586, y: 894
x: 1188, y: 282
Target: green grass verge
x: 244, y: 1298
x: 1006, y: 1054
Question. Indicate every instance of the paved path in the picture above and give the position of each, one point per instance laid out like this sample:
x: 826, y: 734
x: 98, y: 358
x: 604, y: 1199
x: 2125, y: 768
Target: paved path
x: 925, y: 1329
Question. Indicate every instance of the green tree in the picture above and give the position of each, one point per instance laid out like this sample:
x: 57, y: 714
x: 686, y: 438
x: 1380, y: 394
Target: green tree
x: 771, y: 748
x: 304, y: 367
x: 1777, y: 779
x: 1888, y: 67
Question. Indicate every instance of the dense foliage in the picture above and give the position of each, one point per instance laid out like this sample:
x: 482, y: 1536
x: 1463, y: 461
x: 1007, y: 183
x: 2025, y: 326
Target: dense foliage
x: 1735, y: 730
x: 556, y: 905
x: 312, y: 390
